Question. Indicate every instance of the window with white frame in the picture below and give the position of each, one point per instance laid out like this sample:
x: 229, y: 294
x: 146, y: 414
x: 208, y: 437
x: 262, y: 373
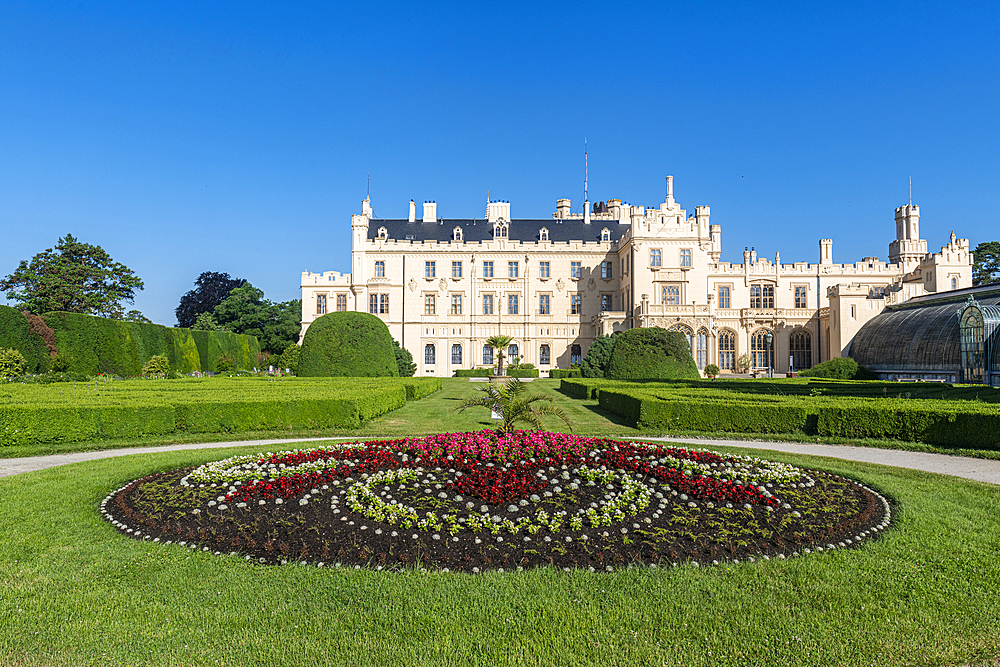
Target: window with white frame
x: 341, y: 302
x: 456, y: 269
x: 670, y: 295
x: 575, y: 270
x: 605, y: 234
x: 430, y: 269
x: 430, y: 304
x: 575, y: 304
x: 724, y: 298
x: 513, y: 352
x: 380, y: 269
x: 378, y: 304
x: 727, y: 350
x: 685, y: 256
x: 606, y: 272
x: 800, y: 297
x: 543, y: 304
x: 487, y: 304
x: 513, y: 269
x: 605, y: 302
x: 456, y: 304
x: 513, y: 304
x: 321, y: 304
x: 456, y: 234
x: 543, y: 234
x: 655, y: 257
x: 543, y: 270
x: 487, y: 269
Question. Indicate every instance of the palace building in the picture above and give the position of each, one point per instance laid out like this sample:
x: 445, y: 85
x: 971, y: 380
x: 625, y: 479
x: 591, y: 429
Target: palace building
x: 444, y: 286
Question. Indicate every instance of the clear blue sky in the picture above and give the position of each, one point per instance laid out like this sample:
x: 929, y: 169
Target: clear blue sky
x: 237, y: 137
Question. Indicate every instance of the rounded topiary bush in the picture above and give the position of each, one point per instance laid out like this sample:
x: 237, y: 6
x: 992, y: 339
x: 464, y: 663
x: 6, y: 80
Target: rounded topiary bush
x: 651, y: 354
x: 839, y: 368
x: 347, y: 344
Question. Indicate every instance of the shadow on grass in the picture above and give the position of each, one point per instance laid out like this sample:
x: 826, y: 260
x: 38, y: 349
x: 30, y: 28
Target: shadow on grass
x: 617, y: 420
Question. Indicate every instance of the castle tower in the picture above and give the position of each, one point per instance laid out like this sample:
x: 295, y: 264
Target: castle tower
x: 908, y: 248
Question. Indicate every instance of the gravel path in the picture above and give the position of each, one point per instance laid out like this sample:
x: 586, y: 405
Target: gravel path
x: 980, y: 470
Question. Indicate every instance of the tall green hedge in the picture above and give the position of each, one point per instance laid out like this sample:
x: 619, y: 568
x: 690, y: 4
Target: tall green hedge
x: 650, y: 353
x: 565, y: 373
x: 94, y: 345
x: 15, y: 333
x: 348, y: 344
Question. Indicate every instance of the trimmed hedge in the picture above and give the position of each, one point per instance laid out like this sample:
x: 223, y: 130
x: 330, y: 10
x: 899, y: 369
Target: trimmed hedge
x: 974, y: 426
x: 348, y: 344
x: 651, y: 353
x: 474, y: 372
x: 93, y: 345
x: 15, y: 333
x: 565, y: 373
x: 35, y: 414
x: 647, y: 411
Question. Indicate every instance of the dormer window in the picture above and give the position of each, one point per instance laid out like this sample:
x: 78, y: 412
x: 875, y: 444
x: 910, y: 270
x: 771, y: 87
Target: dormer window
x: 605, y: 234
x: 543, y: 234
x: 456, y: 234
x: 500, y: 230
x: 383, y: 233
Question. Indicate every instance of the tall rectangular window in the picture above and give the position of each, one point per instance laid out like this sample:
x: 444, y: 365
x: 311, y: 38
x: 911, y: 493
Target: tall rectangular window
x: 724, y: 300
x: 430, y: 270
x: 605, y: 302
x: 543, y: 270
x: 456, y: 304
x: 430, y: 304
x: 606, y: 270
x: 487, y: 304
x: 321, y: 304
x: 655, y: 257
x: 575, y: 304
x: 456, y: 269
x: 378, y: 304
x: 755, y: 298
x: 543, y: 304
x: 380, y: 269
x: 800, y: 297
x: 768, y: 296
x: 574, y: 270
x: 512, y: 270
x: 513, y: 304
x: 685, y: 256
x: 487, y: 269
x: 670, y: 295
x: 341, y: 302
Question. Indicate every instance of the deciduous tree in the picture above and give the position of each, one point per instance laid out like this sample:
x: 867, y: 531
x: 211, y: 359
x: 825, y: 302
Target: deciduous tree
x: 210, y: 290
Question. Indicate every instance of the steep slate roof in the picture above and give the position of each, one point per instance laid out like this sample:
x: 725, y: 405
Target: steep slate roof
x: 481, y: 230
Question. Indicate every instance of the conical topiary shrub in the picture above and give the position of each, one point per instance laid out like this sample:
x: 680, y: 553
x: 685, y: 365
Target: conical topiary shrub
x: 347, y: 344
x: 651, y: 353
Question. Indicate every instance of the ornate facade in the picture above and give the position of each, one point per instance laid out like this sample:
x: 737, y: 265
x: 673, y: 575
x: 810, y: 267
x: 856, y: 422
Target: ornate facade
x: 444, y: 286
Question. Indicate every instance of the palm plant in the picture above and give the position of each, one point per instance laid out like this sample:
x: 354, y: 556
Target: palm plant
x: 500, y: 343
x: 508, y: 400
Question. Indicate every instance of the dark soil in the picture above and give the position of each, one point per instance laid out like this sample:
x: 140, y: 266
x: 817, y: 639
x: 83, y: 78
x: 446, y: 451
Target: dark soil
x: 834, y: 511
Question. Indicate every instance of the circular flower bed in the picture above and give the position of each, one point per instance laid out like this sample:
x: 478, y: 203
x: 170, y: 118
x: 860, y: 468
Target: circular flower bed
x: 477, y: 501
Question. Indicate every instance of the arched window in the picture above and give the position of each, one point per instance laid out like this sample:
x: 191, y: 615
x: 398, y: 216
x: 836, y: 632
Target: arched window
x: 954, y: 283
x: 512, y: 351
x: 543, y: 234
x: 800, y: 348
x: 487, y: 355
x: 543, y: 355
x: 727, y: 350
x: 684, y: 330
x: 605, y: 234
x: 456, y: 355
x: 761, y: 353
x: 428, y: 355
x: 575, y: 355
x: 701, y: 349
x: 500, y: 230
x: 383, y: 233
x: 456, y: 234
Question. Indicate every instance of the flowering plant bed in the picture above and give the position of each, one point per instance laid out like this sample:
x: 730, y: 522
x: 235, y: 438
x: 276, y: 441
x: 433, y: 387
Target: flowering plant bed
x: 477, y: 501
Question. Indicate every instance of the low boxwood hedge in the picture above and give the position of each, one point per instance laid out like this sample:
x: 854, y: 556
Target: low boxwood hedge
x: 565, y: 373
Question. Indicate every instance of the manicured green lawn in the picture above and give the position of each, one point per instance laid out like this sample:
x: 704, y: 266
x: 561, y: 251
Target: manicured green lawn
x: 75, y: 592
